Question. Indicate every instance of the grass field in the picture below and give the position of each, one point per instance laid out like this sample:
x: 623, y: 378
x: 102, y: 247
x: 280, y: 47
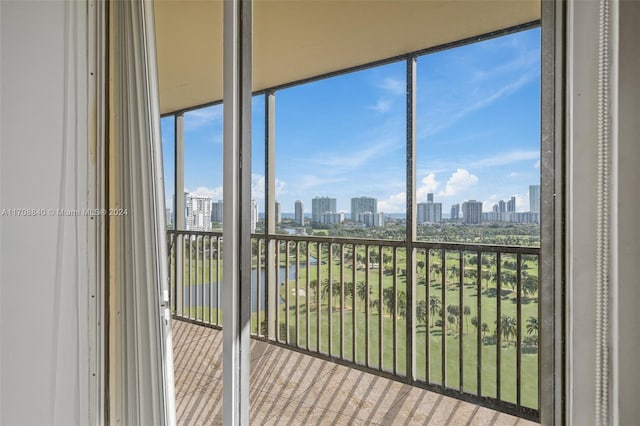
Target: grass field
x: 310, y: 310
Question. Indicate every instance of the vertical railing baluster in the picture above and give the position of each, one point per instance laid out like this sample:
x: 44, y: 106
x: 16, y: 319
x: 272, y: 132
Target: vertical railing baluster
x: 443, y: 315
x: 342, y: 285
x: 259, y: 283
x: 394, y: 309
x: 307, y: 304
x: 499, y: 326
x: 287, y: 292
x: 354, y: 298
x: 277, y: 292
x: 330, y: 302
x: 427, y: 297
x: 460, y: 315
x: 210, y: 286
x: 366, y: 306
x: 479, y: 322
x: 519, y: 328
x: 380, y: 291
x: 202, y: 273
x: 297, y: 278
x: 218, y: 279
x: 318, y: 297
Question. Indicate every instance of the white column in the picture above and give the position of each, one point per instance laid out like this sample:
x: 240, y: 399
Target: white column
x: 236, y: 293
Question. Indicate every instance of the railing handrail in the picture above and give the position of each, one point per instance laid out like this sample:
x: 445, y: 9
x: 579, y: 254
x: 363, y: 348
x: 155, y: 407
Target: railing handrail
x: 421, y: 244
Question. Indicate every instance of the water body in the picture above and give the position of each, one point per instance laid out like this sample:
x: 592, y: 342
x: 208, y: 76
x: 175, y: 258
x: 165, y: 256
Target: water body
x: 199, y: 294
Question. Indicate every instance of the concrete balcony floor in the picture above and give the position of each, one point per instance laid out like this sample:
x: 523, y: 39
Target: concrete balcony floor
x: 290, y: 388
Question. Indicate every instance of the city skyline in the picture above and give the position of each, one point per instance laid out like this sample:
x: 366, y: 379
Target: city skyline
x: 477, y: 133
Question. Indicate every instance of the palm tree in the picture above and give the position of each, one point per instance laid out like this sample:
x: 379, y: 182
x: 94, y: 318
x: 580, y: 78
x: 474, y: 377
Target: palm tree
x: 529, y: 285
x: 422, y: 312
x: 484, y: 329
x: 434, y: 306
x: 375, y: 305
x: 388, y: 299
x: 508, y: 326
x: 466, y: 311
x: 532, y: 326
x: 451, y: 320
x: 361, y: 291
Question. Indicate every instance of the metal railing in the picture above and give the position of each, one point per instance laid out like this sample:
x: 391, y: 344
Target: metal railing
x: 474, y: 309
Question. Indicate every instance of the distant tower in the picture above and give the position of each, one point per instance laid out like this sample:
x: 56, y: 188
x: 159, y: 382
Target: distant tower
x: 299, y: 213
x: 472, y: 212
x: 320, y: 206
x: 254, y: 215
x: 534, y: 199
x: 429, y: 212
x: 511, y: 205
x: 363, y: 205
x: 278, y: 214
x: 216, y: 211
x: 455, y: 211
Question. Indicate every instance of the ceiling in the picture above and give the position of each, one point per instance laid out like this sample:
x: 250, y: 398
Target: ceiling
x: 298, y: 39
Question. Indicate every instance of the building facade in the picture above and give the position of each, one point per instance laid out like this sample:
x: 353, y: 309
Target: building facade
x: 320, y: 206
x: 472, y: 212
x: 299, y: 213
x: 363, y: 205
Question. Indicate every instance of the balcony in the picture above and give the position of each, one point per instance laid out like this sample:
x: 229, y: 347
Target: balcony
x: 404, y: 341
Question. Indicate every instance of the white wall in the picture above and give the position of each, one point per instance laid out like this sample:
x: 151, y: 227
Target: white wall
x: 46, y: 367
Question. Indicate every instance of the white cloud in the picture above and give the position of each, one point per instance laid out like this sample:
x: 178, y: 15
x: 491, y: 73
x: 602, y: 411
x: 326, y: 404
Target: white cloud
x: 459, y: 181
x: 198, y: 118
x: 536, y: 165
x: 359, y: 157
x: 393, y: 86
x: 257, y: 187
x: 393, y: 204
x: 522, y: 202
x: 382, y: 106
x: 505, y: 158
x: 203, y: 191
x: 427, y: 185
x: 449, y: 117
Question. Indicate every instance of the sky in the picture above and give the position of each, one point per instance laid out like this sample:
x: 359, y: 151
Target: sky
x: 477, y: 123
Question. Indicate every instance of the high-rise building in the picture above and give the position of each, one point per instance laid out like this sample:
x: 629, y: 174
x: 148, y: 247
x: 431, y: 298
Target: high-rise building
x: 370, y: 219
x: 320, y: 206
x: 278, y: 214
x: 299, y: 213
x: 363, y: 205
x: 511, y: 205
x: 331, y: 218
x: 429, y: 212
x: 168, y: 218
x: 534, y: 199
x: 502, y: 206
x: 197, y: 212
x: 455, y: 211
x: 472, y: 212
x: 216, y: 211
x: 254, y: 215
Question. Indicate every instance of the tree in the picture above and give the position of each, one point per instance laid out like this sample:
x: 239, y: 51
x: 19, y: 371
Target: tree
x: 451, y: 320
x: 388, y: 299
x: 420, y: 265
x: 434, y: 306
x: 532, y: 326
x: 361, y: 291
x: 529, y: 285
x: 484, y: 329
x: 466, y: 311
x: 422, y: 312
x: 474, y: 322
x: 508, y: 327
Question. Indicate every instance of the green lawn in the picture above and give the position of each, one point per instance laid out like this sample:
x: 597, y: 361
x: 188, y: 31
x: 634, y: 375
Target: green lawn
x: 305, y: 312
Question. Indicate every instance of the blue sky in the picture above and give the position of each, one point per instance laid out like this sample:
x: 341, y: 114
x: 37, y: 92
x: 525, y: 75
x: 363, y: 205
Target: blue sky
x: 478, y: 132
